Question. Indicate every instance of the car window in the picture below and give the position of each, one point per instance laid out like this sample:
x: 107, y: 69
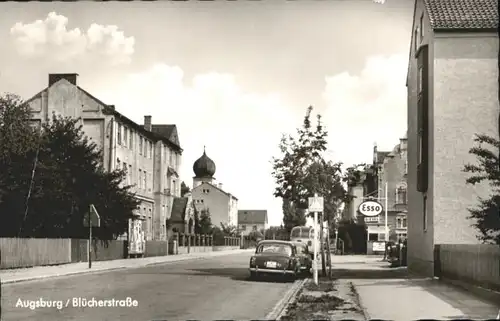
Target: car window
x: 301, y: 249
x: 275, y: 248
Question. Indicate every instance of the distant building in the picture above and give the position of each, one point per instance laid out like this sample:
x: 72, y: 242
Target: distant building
x: 252, y: 220
x: 391, y: 168
x: 151, y: 154
x: 182, y: 218
x: 452, y: 95
x: 207, y: 194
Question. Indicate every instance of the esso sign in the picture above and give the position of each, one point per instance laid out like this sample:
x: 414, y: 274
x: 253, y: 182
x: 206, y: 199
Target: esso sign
x: 370, y: 208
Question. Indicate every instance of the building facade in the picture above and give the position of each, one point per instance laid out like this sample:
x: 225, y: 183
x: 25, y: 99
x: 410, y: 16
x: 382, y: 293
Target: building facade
x: 391, y: 176
x: 252, y: 220
x: 452, y: 87
x: 210, y: 195
x: 150, y: 157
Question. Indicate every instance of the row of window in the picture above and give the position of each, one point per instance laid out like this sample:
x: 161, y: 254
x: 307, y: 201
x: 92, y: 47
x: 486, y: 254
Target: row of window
x: 125, y: 138
x: 143, y: 180
x: 418, y: 37
x: 244, y: 227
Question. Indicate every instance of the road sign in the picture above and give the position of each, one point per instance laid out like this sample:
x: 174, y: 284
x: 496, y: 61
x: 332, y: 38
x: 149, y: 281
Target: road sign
x: 95, y: 219
x: 316, y: 204
x: 370, y: 208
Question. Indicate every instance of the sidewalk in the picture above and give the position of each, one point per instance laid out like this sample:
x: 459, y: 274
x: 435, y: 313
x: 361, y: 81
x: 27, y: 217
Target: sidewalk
x: 42, y: 272
x: 390, y: 294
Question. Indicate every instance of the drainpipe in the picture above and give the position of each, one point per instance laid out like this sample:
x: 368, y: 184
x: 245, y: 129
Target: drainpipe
x: 112, y: 144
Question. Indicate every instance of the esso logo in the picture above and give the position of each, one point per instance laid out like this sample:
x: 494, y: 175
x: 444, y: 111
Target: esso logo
x: 370, y: 208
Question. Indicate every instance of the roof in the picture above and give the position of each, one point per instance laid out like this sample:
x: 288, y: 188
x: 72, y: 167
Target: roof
x: 252, y: 216
x: 275, y: 242
x: 178, y: 209
x: 457, y: 15
x: 110, y: 109
x: 168, y: 131
x: 216, y: 188
x: 381, y: 156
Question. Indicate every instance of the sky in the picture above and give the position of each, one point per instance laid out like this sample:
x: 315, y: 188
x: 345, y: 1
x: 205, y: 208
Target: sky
x: 233, y: 76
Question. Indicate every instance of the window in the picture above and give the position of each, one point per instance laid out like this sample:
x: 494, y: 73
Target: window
x: 415, y: 40
x: 401, y: 195
x: 421, y: 27
x: 145, y: 180
x: 150, y: 150
x: 423, y: 122
x: 125, y: 136
x: 125, y: 168
x: 171, y: 160
x: 145, y: 148
x: 140, y: 145
x: 373, y: 237
x: 131, y: 140
x: 381, y: 237
x: 140, y: 179
x: 401, y: 222
x: 165, y: 157
x: 424, y: 216
x: 119, y: 135
x: 129, y: 175
x: 174, y: 187
x: 420, y: 80
x: 118, y: 163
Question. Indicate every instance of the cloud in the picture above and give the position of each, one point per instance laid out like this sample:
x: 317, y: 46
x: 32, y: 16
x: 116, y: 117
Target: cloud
x: 366, y: 108
x: 51, y: 38
x: 240, y: 129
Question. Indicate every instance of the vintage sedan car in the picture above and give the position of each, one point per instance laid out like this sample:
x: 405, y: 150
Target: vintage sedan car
x: 274, y: 257
x: 304, y: 256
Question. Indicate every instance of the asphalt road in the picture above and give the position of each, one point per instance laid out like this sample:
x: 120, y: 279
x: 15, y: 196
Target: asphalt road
x: 210, y: 289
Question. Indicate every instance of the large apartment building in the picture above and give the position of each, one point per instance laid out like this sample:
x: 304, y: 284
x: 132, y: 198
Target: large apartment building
x: 151, y: 154
x: 452, y: 95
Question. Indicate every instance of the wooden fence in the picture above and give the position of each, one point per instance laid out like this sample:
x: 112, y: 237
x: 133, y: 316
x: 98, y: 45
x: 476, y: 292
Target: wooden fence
x: 477, y: 265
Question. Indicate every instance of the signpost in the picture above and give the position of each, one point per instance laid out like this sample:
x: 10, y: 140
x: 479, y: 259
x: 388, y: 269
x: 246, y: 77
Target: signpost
x: 371, y: 208
x: 91, y: 219
x: 316, y: 205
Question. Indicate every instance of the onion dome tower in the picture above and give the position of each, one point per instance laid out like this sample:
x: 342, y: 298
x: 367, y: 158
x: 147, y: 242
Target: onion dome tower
x: 204, y: 170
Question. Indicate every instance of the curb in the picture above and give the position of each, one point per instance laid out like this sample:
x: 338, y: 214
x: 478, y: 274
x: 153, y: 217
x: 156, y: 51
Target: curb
x: 114, y: 268
x: 280, y: 307
x: 366, y: 315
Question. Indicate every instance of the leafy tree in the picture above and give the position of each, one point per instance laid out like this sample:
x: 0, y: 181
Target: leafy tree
x: 255, y: 236
x: 184, y: 189
x: 205, y: 222
x: 486, y: 215
x: 291, y: 215
x: 229, y: 230
x: 53, y: 177
x: 290, y: 170
x: 197, y: 226
x: 276, y: 232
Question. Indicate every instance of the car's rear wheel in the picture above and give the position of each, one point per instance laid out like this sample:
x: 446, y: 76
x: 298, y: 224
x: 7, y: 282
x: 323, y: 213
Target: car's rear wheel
x: 253, y: 275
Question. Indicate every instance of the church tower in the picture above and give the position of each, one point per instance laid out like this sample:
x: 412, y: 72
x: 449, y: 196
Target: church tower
x: 204, y: 170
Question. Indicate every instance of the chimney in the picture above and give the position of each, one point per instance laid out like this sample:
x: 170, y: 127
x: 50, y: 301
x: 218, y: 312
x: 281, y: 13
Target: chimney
x: 375, y: 160
x: 403, y: 144
x: 220, y: 185
x: 147, y: 123
x: 53, y: 78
